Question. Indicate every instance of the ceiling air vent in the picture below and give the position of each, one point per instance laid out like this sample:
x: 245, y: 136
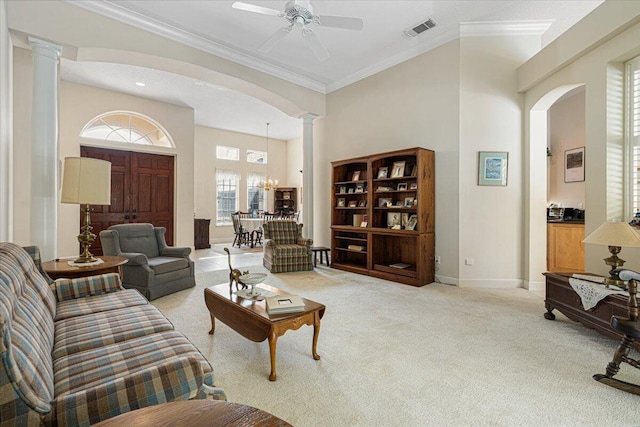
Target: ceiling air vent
x: 420, y: 28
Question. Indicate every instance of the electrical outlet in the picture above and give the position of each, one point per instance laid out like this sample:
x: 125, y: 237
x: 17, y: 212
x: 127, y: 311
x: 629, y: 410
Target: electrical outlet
x: 468, y: 261
x: 438, y: 259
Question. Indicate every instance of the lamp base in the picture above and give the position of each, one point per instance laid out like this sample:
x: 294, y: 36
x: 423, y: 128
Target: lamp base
x: 86, y: 238
x: 614, y: 262
x: 85, y: 260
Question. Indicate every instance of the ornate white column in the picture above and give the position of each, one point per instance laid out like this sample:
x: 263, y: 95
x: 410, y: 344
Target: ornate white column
x: 307, y: 174
x: 44, y: 147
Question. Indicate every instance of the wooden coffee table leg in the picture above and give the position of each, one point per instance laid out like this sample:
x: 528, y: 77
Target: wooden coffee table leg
x: 273, y: 339
x: 316, y: 332
x: 213, y: 324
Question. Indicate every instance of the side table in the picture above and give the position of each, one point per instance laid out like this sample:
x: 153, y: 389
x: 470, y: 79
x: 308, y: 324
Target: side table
x: 57, y: 269
x: 323, y: 251
x: 195, y: 413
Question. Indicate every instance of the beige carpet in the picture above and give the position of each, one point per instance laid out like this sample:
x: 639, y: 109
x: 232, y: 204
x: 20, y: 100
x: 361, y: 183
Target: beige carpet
x: 396, y: 355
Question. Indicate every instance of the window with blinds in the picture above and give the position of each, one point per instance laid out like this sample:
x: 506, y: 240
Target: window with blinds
x: 226, y: 195
x: 633, y: 128
x: 255, y: 194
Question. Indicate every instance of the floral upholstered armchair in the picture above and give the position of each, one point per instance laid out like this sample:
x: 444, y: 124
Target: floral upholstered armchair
x: 285, y: 249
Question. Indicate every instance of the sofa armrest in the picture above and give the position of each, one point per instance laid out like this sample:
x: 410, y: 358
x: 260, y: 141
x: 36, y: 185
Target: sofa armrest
x: 270, y: 244
x: 304, y: 241
x: 135, y: 258
x: 177, y: 379
x: 179, y: 252
x: 67, y: 289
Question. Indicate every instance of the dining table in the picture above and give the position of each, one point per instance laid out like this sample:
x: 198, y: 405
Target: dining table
x: 252, y: 225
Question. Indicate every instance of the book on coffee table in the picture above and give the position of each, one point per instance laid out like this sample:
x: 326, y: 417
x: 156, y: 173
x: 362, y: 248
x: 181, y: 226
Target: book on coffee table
x: 284, y: 304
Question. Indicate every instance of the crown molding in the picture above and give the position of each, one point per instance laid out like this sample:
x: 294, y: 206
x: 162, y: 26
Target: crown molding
x: 118, y: 13
x: 504, y: 28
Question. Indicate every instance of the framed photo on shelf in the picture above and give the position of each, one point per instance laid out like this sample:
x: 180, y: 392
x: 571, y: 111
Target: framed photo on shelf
x: 399, y: 203
x: 405, y: 219
x: 413, y: 186
x: 398, y: 169
x: 408, y: 202
x: 365, y: 221
x: 353, y: 203
x: 356, y: 176
x: 414, y: 170
x: 394, y: 220
x: 341, y: 202
x: 493, y: 168
x: 382, y: 172
x: 343, y: 189
x: 359, y: 188
x: 402, y: 186
x: 412, y: 222
x: 384, y: 202
x: 362, y: 204
x: 350, y: 190
x: 574, y: 165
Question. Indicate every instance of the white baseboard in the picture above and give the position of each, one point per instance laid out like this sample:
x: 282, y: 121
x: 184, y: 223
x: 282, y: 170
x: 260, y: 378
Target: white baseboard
x: 535, y: 286
x: 491, y: 283
x: 446, y: 280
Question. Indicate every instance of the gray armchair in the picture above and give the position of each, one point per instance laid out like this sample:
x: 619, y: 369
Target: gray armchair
x: 154, y: 268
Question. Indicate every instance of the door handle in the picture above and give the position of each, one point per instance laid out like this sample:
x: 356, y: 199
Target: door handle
x: 126, y: 214
x: 134, y: 216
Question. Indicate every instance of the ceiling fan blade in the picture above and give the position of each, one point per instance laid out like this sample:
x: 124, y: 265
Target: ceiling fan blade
x: 257, y: 9
x: 316, y: 47
x: 344, y: 22
x: 274, y: 39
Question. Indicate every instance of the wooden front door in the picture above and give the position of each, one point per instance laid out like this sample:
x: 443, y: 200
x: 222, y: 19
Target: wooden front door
x: 141, y: 191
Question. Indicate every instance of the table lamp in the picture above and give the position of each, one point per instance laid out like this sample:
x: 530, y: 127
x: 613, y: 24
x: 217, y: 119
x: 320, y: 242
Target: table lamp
x: 86, y: 182
x: 615, y: 235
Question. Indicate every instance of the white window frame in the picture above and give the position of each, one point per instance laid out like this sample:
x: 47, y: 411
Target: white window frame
x: 220, y: 153
x: 138, y: 129
x: 632, y: 133
x: 257, y: 156
x: 227, y: 181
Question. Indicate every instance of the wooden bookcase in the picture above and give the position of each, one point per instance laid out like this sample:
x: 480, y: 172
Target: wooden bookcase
x: 285, y: 200
x: 383, y: 209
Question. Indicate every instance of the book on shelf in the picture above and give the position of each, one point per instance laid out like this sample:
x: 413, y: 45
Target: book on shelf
x: 400, y: 265
x: 356, y: 247
x: 357, y: 219
x: 284, y: 304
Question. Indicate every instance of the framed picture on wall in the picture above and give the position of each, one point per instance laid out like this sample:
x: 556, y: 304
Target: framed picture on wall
x: 493, y: 168
x: 574, y: 165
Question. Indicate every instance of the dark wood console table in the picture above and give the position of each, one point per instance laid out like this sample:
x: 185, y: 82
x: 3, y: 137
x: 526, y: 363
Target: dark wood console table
x: 561, y: 296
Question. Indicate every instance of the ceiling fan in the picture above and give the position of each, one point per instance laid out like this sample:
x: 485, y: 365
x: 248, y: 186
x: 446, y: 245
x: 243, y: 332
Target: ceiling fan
x: 300, y: 14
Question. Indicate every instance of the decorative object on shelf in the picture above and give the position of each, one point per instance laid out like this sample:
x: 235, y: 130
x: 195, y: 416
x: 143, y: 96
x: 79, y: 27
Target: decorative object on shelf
x: 350, y: 190
x: 357, y: 219
x: 383, y: 172
x: 356, y: 176
x: 252, y: 279
x: 393, y: 220
x: 382, y: 188
x: 574, y: 165
x: 615, y: 235
x: 413, y: 186
x: 384, y: 202
x: 359, y: 188
x: 405, y: 219
x: 408, y: 202
x: 353, y: 203
x: 398, y: 169
x: 268, y: 183
x: 341, y: 203
x: 358, y: 248
x: 414, y: 170
x: 412, y: 222
x: 365, y: 221
x: 402, y: 186
x: 286, y: 195
x: 362, y: 203
x: 343, y: 189
x: 493, y: 168
x: 400, y: 265
x: 235, y: 274
x: 86, y: 182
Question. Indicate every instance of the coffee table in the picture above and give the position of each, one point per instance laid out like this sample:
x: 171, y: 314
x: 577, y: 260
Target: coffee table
x: 58, y: 269
x: 249, y: 318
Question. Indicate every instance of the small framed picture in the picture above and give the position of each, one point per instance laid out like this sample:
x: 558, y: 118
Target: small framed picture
x: 356, y: 176
x: 399, y: 203
x: 394, y: 220
x: 412, y: 222
x: 408, y: 202
x: 341, y: 202
x: 414, y: 170
x: 382, y: 172
x: 402, y: 186
x: 492, y: 168
x: 405, y: 219
x: 574, y: 165
x: 350, y: 190
x: 415, y: 202
x: 359, y: 188
x: 413, y: 186
x: 353, y: 203
x: 286, y: 195
x: 343, y: 189
x: 398, y: 169
x: 365, y: 221
x: 362, y: 204
x: 384, y: 202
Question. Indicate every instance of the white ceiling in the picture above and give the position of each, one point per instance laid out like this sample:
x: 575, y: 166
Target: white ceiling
x: 236, y: 34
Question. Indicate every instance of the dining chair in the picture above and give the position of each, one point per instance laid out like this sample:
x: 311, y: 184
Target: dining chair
x: 241, y: 235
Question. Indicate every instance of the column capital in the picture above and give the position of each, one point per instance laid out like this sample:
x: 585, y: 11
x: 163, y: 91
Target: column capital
x: 309, y: 117
x: 45, y: 48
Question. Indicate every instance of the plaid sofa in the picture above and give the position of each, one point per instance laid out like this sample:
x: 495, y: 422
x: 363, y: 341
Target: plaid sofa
x: 285, y: 249
x: 77, y: 351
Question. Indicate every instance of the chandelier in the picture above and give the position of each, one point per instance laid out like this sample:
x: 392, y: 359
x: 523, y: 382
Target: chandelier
x: 268, y: 183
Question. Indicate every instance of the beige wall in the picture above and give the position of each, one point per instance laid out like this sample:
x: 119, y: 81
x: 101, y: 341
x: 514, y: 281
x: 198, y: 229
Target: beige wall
x: 566, y: 132
x: 206, y: 165
x: 6, y: 134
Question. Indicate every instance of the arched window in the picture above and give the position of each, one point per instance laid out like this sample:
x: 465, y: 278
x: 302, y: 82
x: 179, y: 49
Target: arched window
x: 128, y: 127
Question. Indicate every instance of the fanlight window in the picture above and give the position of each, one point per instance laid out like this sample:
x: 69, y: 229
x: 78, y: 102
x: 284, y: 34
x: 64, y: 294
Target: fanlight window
x: 131, y: 128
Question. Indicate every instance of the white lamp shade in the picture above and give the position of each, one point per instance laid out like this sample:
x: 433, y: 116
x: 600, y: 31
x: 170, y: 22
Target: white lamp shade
x: 614, y: 234
x: 86, y: 181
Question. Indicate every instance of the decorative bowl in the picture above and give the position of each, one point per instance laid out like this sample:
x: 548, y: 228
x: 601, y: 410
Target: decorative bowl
x: 252, y: 278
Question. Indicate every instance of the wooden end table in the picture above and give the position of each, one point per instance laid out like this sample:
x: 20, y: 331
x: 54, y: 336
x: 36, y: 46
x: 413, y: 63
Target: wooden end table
x: 249, y: 318
x: 57, y: 269
x: 195, y: 413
